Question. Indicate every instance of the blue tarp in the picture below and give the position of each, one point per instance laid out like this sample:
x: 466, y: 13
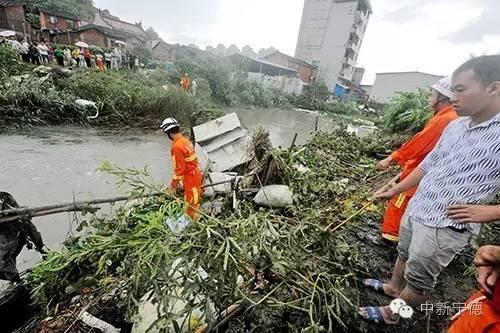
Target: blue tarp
x: 340, y: 91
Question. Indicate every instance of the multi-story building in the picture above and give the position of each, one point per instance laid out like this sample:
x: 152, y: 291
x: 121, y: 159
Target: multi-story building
x: 330, y: 37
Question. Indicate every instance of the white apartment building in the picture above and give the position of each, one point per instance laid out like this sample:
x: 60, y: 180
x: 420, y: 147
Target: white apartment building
x: 330, y: 37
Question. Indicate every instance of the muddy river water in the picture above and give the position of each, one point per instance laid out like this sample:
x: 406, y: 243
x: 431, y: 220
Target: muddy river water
x: 56, y: 164
x: 53, y: 165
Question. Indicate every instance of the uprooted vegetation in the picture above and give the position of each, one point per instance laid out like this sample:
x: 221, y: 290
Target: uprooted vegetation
x: 407, y: 112
x: 141, y: 99
x: 123, y: 98
x: 279, y: 268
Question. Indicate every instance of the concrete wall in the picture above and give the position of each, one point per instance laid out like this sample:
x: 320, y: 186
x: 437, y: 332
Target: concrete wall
x: 281, y: 124
x: 367, y: 88
x: 324, y: 34
x: 283, y: 83
x: 388, y: 84
x: 359, y: 72
x: 334, y: 47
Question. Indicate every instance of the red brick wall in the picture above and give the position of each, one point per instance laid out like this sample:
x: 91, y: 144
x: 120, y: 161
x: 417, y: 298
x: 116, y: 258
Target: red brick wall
x: 13, y: 17
x: 303, y: 72
x: 93, y: 37
x: 163, y: 53
x: 4, y: 24
x: 62, y: 23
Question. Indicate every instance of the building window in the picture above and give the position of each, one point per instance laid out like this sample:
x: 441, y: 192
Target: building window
x: 70, y: 24
x: 315, y: 63
x: 53, y: 19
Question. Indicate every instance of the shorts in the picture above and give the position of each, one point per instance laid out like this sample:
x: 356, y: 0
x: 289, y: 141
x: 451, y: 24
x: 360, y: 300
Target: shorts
x: 427, y: 251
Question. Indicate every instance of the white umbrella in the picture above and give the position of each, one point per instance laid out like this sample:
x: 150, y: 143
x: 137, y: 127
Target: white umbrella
x: 82, y: 44
x: 120, y: 42
x: 7, y: 33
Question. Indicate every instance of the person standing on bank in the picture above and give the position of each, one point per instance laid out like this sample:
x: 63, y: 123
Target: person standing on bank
x: 412, y: 153
x: 461, y: 172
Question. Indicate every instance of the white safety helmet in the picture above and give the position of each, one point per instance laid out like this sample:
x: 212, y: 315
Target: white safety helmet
x: 169, y: 124
x: 443, y: 87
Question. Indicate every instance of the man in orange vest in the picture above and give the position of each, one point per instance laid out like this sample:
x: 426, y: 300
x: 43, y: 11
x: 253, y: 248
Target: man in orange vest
x: 412, y: 153
x: 186, y: 167
x: 481, y: 313
x: 185, y: 82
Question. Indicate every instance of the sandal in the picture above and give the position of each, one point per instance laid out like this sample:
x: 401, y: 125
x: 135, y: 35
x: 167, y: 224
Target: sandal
x: 375, y: 285
x: 374, y: 314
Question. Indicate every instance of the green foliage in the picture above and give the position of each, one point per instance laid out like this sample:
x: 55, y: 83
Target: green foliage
x: 314, y: 96
x: 203, y: 90
x: 152, y: 34
x: 9, y: 62
x: 340, y: 107
x: 304, y: 277
x: 253, y: 93
x: 34, y: 20
x: 408, y: 112
x: 281, y: 266
x: 143, y: 53
x: 35, y: 103
x: 143, y: 98
x: 228, y: 83
x: 124, y: 98
x: 317, y: 97
x: 131, y: 98
x: 80, y: 8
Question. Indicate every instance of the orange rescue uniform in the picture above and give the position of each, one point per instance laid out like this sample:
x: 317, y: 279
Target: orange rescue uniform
x: 409, y: 156
x: 187, y: 171
x: 185, y: 83
x: 481, y: 315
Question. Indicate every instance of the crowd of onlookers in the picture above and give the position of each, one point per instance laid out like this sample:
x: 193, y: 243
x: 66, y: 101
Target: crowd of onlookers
x: 45, y: 53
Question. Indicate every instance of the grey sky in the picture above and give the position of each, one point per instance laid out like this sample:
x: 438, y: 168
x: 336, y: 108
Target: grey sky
x: 403, y: 35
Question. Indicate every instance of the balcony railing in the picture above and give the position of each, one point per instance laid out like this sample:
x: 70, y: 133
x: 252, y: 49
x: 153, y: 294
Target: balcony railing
x: 358, y: 30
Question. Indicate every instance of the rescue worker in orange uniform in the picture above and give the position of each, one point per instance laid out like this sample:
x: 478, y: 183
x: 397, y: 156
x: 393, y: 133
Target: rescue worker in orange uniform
x: 185, y: 82
x: 482, y: 311
x: 412, y: 153
x: 186, y: 167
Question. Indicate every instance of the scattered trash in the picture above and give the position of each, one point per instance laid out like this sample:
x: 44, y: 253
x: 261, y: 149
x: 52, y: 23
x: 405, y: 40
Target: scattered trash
x: 362, y: 131
x: 97, y: 323
x: 177, y: 224
x: 301, y: 168
x: 86, y: 104
x: 189, y: 321
x: 275, y: 196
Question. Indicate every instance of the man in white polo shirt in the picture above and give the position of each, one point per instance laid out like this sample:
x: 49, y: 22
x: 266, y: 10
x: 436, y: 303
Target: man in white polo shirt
x: 463, y: 169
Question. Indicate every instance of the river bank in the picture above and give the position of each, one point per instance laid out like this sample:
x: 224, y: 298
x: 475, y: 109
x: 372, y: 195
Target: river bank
x: 323, y: 196
x: 51, y: 164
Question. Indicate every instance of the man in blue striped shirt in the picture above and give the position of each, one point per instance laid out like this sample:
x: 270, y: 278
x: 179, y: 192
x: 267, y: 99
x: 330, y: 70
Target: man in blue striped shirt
x: 455, y: 180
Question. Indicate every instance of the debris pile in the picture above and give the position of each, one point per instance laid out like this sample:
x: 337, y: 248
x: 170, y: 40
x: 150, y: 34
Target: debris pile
x: 249, y: 268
